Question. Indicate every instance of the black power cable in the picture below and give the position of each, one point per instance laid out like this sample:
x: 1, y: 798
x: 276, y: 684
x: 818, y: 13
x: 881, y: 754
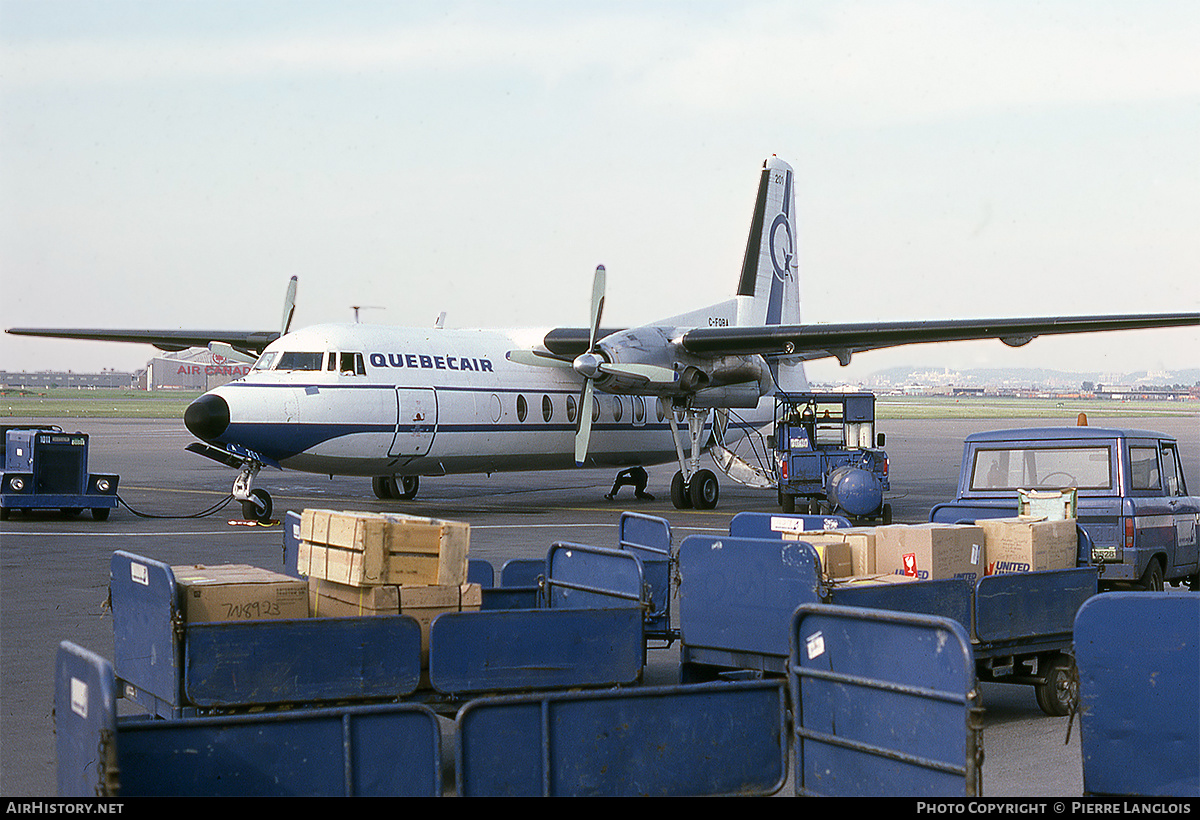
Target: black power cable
x: 220, y: 505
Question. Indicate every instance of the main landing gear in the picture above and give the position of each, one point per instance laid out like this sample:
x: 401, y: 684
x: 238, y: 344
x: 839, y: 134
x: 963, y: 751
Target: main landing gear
x: 691, y: 487
x: 396, y: 487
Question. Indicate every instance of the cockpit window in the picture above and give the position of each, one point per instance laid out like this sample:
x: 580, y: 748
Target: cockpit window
x: 352, y: 363
x: 292, y: 360
x: 266, y: 360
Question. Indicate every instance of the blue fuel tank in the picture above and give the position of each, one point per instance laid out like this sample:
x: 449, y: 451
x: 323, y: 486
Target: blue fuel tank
x: 855, y: 490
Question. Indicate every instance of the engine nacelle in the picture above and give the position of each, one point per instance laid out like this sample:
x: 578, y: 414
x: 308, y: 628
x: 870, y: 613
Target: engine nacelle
x: 855, y: 490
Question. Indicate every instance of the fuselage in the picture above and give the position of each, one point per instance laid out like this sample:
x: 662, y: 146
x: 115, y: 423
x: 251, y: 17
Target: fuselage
x: 375, y: 400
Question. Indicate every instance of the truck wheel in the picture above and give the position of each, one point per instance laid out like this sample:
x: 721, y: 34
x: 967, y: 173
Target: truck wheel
x: 100, y: 513
x: 885, y: 516
x: 3, y: 513
x: 788, y: 503
x: 1056, y: 696
x: 1152, y: 578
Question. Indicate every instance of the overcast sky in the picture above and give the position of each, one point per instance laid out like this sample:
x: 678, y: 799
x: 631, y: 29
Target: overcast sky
x: 172, y: 164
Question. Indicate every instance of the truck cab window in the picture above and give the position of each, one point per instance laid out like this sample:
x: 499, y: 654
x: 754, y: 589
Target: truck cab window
x: 1143, y: 466
x: 1172, y: 472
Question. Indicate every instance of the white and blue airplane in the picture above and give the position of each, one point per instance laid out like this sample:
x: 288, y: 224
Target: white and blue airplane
x: 398, y: 403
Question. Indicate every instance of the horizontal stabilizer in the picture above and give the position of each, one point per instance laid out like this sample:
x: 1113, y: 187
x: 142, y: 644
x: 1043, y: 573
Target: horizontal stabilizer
x: 250, y: 341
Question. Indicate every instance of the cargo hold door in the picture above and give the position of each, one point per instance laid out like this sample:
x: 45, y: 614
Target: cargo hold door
x: 416, y: 421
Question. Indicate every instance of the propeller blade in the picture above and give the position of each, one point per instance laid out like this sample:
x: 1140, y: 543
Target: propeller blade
x: 536, y: 358
x: 598, y: 287
x: 584, y: 433
x: 289, y: 307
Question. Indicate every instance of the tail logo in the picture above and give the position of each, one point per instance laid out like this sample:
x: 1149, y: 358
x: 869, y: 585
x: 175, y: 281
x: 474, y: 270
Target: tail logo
x: 781, y: 247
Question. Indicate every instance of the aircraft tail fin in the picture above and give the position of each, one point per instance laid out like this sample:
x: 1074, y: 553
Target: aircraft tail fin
x: 769, y: 287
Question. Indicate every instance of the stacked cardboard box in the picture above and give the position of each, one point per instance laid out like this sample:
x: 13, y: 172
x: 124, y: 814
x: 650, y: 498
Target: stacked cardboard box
x: 360, y: 563
x: 1028, y: 544
x: 930, y: 551
x: 860, y: 542
x: 238, y: 592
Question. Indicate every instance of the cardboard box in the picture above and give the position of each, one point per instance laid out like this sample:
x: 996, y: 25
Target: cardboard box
x: 837, y: 560
x: 238, y: 592
x: 364, y: 549
x: 860, y: 540
x: 1051, y: 504
x: 1028, y: 544
x: 422, y: 602
x: 930, y: 551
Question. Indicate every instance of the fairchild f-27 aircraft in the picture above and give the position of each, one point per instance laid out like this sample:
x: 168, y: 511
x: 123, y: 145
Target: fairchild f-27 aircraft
x: 398, y: 403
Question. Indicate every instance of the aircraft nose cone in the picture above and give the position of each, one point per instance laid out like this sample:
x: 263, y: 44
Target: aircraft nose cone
x: 207, y: 417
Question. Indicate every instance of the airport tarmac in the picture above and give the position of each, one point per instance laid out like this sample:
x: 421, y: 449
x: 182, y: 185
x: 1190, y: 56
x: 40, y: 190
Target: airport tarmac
x: 54, y: 570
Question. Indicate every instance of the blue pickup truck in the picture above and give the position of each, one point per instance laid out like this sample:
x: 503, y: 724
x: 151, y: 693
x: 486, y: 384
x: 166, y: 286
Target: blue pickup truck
x: 1132, y: 498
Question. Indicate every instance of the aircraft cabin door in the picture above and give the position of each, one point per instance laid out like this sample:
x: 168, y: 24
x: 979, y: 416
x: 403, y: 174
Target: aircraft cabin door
x: 416, y: 421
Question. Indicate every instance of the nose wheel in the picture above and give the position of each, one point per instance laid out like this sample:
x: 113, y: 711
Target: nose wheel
x: 257, y: 507
x: 256, y: 503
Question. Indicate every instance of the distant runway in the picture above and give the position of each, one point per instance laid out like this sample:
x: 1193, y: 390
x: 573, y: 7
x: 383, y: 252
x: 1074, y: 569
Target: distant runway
x: 54, y: 571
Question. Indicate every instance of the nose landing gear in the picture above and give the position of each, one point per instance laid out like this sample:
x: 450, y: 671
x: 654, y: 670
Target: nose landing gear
x: 256, y: 503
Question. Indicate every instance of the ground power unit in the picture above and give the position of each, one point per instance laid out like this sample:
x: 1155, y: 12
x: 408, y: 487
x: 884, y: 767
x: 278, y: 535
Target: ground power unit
x: 47, y: 469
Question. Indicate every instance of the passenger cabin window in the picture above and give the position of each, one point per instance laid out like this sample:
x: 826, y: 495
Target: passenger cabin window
x: 522, y: 408
x: 293, y: 360
x: 547, y: 408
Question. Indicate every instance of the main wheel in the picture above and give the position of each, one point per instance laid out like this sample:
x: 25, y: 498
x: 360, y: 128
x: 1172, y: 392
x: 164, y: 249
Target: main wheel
x: 679, y: 492
x: 405, y: 487
x: 1057, y: 695
x: 258, y: 508
x: 381, y: 485
x: 1152, y: 578
x: 704, y: 490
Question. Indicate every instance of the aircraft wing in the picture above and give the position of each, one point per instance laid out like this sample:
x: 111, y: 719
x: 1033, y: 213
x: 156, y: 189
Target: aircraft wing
x: 841, y: 341
x: 250, y: 341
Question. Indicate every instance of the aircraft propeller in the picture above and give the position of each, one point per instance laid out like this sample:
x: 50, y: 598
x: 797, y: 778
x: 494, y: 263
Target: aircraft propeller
x: 289, y: 307
x: 588, y: 365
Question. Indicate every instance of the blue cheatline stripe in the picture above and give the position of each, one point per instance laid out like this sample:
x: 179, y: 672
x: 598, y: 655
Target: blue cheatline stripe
x: 281, y: 441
